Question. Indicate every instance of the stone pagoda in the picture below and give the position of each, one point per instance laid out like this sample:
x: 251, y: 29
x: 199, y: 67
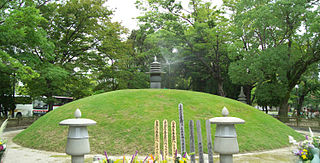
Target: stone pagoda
x: 155, y: 74
x: 242, y: 96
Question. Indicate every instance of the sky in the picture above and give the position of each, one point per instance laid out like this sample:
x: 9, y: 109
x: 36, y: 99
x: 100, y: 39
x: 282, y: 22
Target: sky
x: 125, y: 11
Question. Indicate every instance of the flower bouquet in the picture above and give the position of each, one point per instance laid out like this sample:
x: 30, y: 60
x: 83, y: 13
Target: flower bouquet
x: 134, y: 159
x: 2, y: 142
x: 148, y: 159
x: 307, y: 150
x: 182, y: 159
x: 2, y: 149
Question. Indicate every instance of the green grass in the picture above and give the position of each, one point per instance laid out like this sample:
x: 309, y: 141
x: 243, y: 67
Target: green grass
x: 125, y: 121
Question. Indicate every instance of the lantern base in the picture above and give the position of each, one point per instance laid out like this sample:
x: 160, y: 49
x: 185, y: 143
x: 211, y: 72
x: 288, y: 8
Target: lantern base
x: 155, y: 85
x: 226, y: 158
x: 77, y: 159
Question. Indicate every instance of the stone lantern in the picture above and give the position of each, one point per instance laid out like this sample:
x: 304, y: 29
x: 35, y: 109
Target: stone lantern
x: 225, y: 142
x: 78, y: 138
x: 155, y: 74
x: 242, y: 96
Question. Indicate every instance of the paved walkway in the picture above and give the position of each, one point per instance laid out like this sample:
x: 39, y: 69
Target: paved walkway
x: 16, y: 154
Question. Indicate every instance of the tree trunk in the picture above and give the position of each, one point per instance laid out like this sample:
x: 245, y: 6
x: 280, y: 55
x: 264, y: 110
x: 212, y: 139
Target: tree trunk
x: 300, y: 104
x: 283, y: 110
x: 266, y: 109
x: 50, y: 104
x: 49, y: 95
x: 220, y: 88
x: 247, y: 92
x: 12, y: 112
x: 11, y: 106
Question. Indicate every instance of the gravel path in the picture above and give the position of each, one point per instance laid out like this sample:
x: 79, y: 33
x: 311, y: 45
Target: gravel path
x: 17, y: 154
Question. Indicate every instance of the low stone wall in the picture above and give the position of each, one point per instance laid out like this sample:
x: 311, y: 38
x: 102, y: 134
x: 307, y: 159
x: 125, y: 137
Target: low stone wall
x: 301, y: 122
x: 19, y: 122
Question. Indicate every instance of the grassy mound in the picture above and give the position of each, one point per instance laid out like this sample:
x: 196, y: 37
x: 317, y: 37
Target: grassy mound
x: 125, y: 121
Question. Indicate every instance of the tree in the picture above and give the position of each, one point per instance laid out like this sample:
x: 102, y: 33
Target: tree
x: 79, y: 31
x: 271, y: 35
x: 312, y: 100
x: 123, y: 71
x: 20, y: 35
x: 203, y: 33
x: 6, y: 94
x: 308, y: 85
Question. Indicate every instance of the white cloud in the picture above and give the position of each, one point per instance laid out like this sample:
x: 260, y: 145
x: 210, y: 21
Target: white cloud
x: 125, y: 12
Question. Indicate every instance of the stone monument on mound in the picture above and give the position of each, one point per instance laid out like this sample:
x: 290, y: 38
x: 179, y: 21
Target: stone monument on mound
x: 155, y: 74
x: 242, y: 96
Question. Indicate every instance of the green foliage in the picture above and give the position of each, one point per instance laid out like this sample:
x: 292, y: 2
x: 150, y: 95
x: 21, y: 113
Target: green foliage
x: 61, y: 48
x: 50, y: 82
x: 199, y: 32
x: 125, y: 121
x: 19, y: 36
x: 72, y: 48
x: 306, y: 92
x: 272, y: 47
x: 312, y: 100
x: 85, y: 41
x: 23, y: 100
x: 269, y: 94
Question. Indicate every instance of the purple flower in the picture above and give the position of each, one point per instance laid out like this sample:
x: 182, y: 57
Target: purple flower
x: 307, y: 137
x: 296, y: 152
x: 145, y: 159
x: 132, y: 159
x: 310, y: 145
x: 184, y: 156
x: 105, y: 153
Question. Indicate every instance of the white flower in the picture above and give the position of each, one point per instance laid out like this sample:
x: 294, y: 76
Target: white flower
x: 187, y: 157
x: 292, y: 141
x: 311, y: 133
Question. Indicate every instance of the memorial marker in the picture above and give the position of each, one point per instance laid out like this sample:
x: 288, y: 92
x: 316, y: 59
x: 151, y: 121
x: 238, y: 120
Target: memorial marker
x: 192, y: 142
x: 182, y: 135
x: 200, y: 147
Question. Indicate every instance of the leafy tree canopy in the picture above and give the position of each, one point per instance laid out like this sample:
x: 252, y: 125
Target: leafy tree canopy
x: 277, y: 42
